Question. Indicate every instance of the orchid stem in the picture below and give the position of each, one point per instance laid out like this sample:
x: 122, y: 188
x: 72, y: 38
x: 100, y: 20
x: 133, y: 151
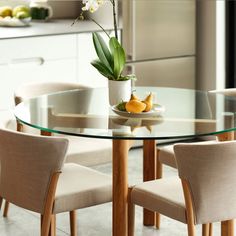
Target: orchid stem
x: 100, y: 27
x: 114, y: 18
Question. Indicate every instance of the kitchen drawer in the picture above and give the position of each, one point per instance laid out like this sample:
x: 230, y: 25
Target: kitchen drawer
x: 37, y: 49
x: 14, y: 75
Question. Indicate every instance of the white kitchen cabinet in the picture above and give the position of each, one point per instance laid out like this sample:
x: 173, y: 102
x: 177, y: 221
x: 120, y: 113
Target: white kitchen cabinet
x: 172, y: 72
x: 35, y: 59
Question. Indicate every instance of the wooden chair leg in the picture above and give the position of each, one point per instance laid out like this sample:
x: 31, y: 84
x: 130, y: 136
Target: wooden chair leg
x: 191, y: 229
x: 131, y: 215
x: 73, y: 223
x: 227, y: 228
x: 189, y: 208
x: 210, y: 229
x: 159, y: 172
x: 231, y: 228
x: 205, y: 229
x: 45, y: 225
x: 6, y: 207
x: 52, y: 231
x: 47, y: 214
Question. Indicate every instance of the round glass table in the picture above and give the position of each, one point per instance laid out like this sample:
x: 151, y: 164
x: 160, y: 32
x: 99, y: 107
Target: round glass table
x: 177, y: 114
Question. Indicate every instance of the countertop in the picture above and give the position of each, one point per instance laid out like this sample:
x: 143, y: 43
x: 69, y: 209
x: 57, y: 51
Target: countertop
x: 53, y: 27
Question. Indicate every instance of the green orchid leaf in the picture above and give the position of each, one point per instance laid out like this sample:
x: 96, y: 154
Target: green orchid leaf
x: 102, y: 51
x: 119, y: 61
x: 105, y: 50
x: 113, y: 43
x: 102, y: 69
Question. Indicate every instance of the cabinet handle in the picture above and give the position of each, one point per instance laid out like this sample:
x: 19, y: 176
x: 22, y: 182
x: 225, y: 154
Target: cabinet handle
x: 23, y: 61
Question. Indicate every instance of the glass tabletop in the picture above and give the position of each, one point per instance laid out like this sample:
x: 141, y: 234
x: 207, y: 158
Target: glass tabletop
x: 178, y: 113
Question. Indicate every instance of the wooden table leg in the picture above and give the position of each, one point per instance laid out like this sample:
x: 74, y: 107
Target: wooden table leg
x: 120, y: 187
x: 227, y: 227
x: 149, y: 173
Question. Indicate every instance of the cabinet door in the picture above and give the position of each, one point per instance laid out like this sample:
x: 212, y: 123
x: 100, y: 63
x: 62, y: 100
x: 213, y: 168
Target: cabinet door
x: 163, y: 28
x: 87, y: 74
x: 174, y: 72
x: 24, y: 60
x: 14, y: 75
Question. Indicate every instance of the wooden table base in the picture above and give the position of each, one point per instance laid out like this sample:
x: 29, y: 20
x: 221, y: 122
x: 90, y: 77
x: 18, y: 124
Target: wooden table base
x: 120, y: 187
x: 149, y: 173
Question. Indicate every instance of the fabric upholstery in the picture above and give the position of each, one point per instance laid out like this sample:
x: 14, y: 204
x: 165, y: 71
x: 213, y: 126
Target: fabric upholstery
x: 83, y: 151
x: 27, y: 164
x: 80, y: 187
x: 166, y: 155
x: 89, y: 151
x: 164, y: 196
x: 210, y: 171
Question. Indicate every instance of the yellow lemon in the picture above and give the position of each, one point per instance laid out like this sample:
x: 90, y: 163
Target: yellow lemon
x: 135, y: 106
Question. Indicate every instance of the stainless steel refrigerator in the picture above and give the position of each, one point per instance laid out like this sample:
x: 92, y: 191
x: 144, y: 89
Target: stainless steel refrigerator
x: 159, y: 37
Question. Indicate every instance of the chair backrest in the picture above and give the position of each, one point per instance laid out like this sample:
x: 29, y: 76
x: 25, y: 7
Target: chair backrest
x: 31, y: 90
x: 27, y: 163
x: 210, y: 170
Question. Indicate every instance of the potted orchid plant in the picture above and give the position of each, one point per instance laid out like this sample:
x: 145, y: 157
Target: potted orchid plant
x: 111, y: 58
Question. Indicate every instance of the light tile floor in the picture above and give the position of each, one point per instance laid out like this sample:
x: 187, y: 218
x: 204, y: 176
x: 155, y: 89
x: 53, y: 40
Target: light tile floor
x: 96, y: 221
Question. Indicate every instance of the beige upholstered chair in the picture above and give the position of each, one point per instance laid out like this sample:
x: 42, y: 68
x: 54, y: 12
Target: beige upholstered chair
x: 205, y: 192
x: 165, y: 154
x: 34, y: 177
x: 7, y: 121
x: 83, y: 151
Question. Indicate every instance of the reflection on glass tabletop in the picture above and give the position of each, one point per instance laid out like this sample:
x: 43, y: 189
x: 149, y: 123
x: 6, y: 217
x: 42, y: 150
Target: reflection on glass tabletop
x: 86, y: 112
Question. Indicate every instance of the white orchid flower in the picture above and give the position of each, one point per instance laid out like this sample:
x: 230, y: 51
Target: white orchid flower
x: 91, y: 5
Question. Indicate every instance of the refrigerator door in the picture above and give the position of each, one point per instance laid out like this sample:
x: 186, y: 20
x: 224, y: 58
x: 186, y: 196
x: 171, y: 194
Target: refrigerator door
x: 162, y: 28
x: 175, y: 72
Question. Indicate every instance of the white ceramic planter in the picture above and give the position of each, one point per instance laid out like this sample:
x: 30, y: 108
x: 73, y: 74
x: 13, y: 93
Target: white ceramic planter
x: 119, y: 90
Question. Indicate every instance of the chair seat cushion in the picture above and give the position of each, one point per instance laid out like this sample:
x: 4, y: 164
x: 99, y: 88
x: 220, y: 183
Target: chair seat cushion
x: 167, y: 156
x: 80, y: 187
x: 164, y: 196
x: 89, y: 151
